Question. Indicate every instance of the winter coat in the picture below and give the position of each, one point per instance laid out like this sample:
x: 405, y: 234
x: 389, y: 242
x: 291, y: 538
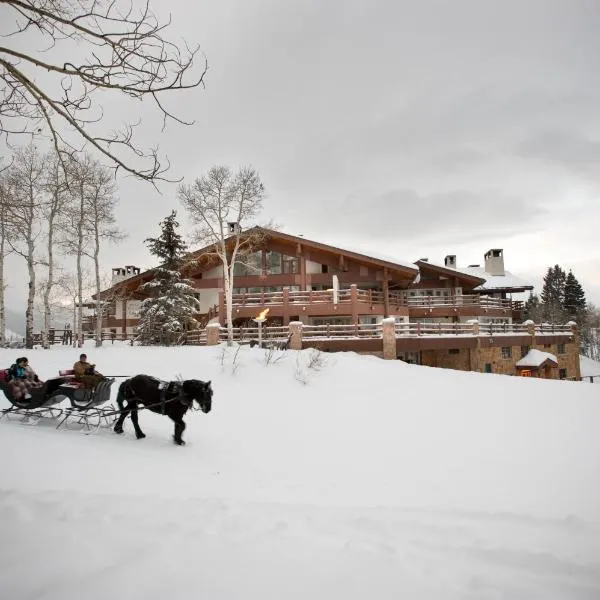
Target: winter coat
x: 81, y: 368
x: 17, y: 372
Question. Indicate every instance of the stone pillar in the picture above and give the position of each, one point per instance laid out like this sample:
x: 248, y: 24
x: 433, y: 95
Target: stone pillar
x: 530, y: 331
x: 296, y: 332
x: 575, y: 350
x: 212, y: 334
x: 475, y: 353
x: 388, y: 329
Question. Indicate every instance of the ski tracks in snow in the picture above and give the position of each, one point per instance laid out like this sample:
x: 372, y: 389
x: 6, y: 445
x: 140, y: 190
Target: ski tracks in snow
x: 60, y: 545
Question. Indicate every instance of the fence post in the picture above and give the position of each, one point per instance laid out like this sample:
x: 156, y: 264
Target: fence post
x: 388, y: 335
x: 212, y: 334
x: 354, y: 302
x: 575, y: 332
x: 296, y: 335
x: 286, y: 305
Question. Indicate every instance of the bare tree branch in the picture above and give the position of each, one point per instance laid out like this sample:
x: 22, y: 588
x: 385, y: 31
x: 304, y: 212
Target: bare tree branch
x: 123, y: 51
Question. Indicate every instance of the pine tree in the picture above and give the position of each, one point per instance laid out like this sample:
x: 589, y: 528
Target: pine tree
x: 172, y: 305
x: 574, y: 299
x: 533, y: 308
x: 553, y: 294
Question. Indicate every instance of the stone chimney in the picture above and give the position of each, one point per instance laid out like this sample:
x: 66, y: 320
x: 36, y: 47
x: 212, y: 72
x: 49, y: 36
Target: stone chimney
x: 121, y: 273
x: 450, y: 261
x: 233, y: 228
x: 494, y: 261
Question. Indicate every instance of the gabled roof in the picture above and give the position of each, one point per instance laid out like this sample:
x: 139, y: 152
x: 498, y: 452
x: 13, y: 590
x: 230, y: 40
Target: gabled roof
x: 537, y: 358
x: 469, y: 278
x: 408, y: 270
x: 507, y: 282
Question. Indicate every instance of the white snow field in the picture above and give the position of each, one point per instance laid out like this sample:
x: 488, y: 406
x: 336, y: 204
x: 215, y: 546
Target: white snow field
x: 589, y: 368
x: 360, y: 479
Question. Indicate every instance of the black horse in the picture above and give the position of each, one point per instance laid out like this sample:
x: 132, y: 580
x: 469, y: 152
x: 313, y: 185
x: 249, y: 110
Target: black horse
x: 172, y: 398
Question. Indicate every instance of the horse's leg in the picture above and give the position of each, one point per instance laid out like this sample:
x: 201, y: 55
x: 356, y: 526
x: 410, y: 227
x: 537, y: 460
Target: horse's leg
x: 118, y: 428
x: 139, y: 434
x: 177, y: 418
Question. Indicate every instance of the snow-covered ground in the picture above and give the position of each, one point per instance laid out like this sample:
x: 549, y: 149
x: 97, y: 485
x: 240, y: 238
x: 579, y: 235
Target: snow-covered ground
x: 356, y: 478
x: 590, y: 367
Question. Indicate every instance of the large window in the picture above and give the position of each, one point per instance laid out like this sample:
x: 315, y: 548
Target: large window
x: 273, y: 263
x: 290, y: 265
x: 250, y: 264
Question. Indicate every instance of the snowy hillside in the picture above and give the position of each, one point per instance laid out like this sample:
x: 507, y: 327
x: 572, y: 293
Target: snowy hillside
x: 354, y: 478
x: 589, y: 367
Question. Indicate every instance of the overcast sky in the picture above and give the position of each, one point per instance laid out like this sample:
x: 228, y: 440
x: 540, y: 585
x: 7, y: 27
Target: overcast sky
x: 415, y: 129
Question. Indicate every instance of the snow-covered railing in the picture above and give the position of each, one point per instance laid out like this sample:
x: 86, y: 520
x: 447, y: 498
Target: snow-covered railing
x: 408, y: 329
x: 241, y: 334
x: 549, y: 329
x: 359, y: 330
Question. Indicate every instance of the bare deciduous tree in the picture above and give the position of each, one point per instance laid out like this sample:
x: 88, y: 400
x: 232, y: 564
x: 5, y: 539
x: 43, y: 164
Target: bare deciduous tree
x: 56, y: 188
x: 4, y: 232
x: 113, y: 48
x: 221, y: 204
x: 24, y: 181
x: 101, y: 223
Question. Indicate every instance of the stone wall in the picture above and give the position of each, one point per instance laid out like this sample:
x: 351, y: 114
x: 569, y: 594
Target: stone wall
x: 458, y: 359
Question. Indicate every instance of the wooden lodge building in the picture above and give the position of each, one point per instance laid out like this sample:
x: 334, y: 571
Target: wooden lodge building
x: 323, y: 286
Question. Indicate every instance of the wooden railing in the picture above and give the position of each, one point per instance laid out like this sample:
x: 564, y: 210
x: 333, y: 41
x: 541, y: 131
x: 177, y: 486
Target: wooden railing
x: 371, y: 297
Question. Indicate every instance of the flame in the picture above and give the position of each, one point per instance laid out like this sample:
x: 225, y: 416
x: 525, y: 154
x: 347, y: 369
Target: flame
x: 263, y: 315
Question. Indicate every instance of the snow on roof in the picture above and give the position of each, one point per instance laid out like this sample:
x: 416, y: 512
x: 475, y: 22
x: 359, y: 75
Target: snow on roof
x: 508, y: 280
x: 367, y: 252
x: 536, y: 358
x: 459, y: 271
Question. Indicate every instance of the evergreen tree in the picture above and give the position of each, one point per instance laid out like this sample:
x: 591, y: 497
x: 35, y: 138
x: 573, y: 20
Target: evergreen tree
x: 172, y: 305
x: 553, y: 294
x: 574, y: 298
x: 533, y: 308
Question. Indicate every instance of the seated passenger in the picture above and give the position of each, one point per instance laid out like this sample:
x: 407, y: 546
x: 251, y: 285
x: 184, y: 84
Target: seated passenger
x: 23, y: 379
x: 86, y: 373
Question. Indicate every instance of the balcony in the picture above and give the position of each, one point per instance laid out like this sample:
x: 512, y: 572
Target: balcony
x: 356, y: 302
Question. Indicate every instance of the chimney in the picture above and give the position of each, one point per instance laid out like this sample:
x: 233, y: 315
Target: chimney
x: 234, y: 228
x: 121, y: 273
x: 450, y: 261
x: 494, y: 261
x: 118, y: 274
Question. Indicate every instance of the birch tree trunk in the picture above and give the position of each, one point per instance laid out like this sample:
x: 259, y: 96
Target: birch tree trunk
x: 99, y: 303
x: 50, y: 281
x: 79, y: 265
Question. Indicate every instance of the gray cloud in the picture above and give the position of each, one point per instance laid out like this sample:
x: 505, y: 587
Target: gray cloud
x: 573, y: 152
x: 446, y: 216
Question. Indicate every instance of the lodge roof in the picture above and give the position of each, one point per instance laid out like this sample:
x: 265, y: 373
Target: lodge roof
x: 407, y: 270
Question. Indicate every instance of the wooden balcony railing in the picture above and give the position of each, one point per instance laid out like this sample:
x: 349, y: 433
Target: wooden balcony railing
x: 372, y: 297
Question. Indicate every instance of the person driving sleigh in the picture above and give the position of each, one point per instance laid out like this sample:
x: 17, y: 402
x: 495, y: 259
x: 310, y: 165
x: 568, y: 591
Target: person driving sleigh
x: 86, y: 373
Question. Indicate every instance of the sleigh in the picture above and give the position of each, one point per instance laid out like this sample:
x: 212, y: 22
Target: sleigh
x: 87, y: 405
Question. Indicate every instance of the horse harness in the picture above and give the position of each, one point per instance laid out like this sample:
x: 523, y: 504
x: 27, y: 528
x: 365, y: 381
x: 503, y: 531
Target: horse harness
x: 166, y: 388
